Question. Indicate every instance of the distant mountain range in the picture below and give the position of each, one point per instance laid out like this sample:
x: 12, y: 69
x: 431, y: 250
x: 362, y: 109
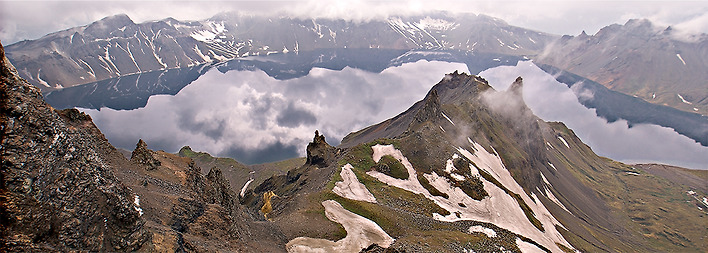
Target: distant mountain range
x: 660, y: 65
x: 116, y: 46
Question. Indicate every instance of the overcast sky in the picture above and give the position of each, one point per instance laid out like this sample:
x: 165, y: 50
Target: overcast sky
x: 32, y: 19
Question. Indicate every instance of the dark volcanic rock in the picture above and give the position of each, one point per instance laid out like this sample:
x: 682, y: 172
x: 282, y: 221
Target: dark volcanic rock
x: 58, y: 191
x: 143, y: 156
x: 319, y: 153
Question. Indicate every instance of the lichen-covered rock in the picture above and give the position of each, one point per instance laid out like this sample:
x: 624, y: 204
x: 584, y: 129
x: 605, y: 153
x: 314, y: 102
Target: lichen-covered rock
x: 58, y: 191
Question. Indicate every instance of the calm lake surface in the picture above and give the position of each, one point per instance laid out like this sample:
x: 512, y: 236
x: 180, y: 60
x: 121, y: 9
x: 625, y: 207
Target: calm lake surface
x: 253, y: 117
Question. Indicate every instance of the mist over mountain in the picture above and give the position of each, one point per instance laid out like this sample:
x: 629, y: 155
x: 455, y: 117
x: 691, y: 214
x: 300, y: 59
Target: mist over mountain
x: 121, y: 63
x: 116, y: 46
x: 532, y: 151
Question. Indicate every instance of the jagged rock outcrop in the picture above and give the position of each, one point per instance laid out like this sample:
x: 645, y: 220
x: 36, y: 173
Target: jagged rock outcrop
x: 58, y: 190
x: 213, y: 188
x: 431, y: 108
x: 319, y: 153
x: 143, y: 156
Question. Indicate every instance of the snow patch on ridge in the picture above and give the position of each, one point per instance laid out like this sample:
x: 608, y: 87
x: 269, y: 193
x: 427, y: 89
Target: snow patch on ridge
x: 448, y: 119
x: 351, y: 188
x: 683, y: 100
x: 564, y: 142
x: 136, y: 201
x: 553, y: 198
x: 436, y: 24
x: 552, y: 166
x: 361, y: 232
x: 680, y: 58
x: 411, y: 184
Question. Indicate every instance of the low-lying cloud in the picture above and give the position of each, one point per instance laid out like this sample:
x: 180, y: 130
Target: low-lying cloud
x: 554, y: 101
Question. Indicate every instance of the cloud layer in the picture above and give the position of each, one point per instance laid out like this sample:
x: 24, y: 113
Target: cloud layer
x: 255, y: 118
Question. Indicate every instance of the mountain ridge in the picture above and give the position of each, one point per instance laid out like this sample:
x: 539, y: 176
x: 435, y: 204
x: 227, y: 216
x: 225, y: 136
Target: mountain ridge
x: 92, y: 53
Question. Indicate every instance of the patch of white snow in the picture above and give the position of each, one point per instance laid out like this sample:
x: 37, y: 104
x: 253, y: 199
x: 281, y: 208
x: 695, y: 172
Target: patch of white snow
x: 243, y: 189
x: 488, y: 209
x: 361, y: 232
x: 683, y: 100
x: 137, y: 205
x: 351, y: 188
x: 680, y: 58
x: 448, y: 119
x: 553, y: 198
x: 564, y: 142
x: 457, y: 177
x: 552, y: 166
x: 526, y: 247
x: 411, y: 184
x: 544, y: 178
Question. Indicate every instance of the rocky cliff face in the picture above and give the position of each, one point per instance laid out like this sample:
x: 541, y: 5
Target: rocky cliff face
x: 58, y: 188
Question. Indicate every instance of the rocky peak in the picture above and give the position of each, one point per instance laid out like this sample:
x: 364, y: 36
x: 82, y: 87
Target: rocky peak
x: 319, y: 153
x: 431, y: 108
x: 641, y: 27
x: 218, y: 191
x: 144, y: 156
x: 103, y: 27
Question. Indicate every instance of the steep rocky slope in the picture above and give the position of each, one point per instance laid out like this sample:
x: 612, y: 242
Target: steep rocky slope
x: 58, y: 186
x: 657, y: 64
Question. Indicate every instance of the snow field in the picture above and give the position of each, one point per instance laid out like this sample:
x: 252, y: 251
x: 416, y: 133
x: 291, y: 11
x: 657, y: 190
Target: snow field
x: 351, y: 188
x: 361, y: 232
x: 499, y: 208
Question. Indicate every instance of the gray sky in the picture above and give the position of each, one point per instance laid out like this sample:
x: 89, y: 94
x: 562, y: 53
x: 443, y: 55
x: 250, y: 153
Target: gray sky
x: 32, y: 19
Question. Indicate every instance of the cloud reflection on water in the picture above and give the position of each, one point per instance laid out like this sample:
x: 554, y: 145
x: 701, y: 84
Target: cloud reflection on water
x: 255, y: 118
